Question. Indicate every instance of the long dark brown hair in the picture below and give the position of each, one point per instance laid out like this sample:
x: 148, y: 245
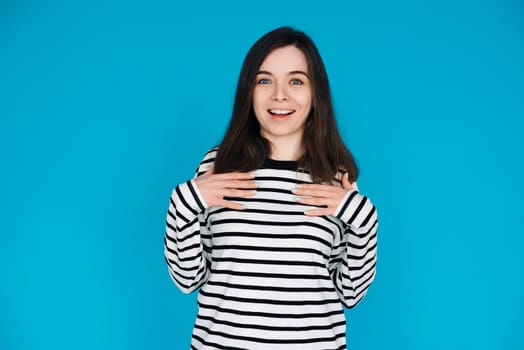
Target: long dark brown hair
x: 244, y: 149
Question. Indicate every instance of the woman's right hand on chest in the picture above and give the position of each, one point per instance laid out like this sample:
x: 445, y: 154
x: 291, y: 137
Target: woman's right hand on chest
x: 215, y: 187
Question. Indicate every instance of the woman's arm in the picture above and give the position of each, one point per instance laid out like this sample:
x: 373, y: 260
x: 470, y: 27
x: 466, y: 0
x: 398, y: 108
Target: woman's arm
x: 358, y: 250
x: 187, y: 242
x: 183, y: 247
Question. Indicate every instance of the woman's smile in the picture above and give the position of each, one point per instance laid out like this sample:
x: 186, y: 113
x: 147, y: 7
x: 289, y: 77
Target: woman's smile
x: 281, y: 114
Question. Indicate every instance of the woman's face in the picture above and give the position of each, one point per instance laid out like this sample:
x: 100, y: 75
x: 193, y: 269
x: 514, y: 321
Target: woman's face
x: 282, y: 97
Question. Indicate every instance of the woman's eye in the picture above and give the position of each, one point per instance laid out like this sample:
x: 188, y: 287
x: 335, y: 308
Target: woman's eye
x: 296, y: 82
x: 263, y: 81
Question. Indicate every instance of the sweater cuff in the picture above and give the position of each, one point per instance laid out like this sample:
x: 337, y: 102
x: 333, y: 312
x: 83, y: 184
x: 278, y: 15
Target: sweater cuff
x: 189, y: 196
x: 346, y: 207
x: 202, y: 202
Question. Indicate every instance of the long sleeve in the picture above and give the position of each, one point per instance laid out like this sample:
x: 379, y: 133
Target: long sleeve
x: 184, y: 250
x: 355, y: 265
x: 187, y: 241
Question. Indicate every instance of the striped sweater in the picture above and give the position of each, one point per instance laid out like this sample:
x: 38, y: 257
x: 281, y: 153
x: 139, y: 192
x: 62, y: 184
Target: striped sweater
x: 270, y: 277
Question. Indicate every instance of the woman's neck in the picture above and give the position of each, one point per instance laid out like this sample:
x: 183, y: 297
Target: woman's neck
x: 286, y: 149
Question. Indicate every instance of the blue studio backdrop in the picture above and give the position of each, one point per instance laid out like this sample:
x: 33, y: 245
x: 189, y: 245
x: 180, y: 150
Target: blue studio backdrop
x: 106, y: 105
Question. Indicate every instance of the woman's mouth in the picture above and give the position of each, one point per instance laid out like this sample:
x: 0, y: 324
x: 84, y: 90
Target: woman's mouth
x: 280, y: 114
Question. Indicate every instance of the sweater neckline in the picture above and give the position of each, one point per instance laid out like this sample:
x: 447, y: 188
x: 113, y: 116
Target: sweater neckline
x: 280, y: 164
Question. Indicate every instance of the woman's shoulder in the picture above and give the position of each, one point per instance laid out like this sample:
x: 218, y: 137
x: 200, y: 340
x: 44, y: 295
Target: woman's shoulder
x: 207, y: 161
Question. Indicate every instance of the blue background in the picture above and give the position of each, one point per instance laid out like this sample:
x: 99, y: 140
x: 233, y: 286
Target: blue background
x: 107, y: 105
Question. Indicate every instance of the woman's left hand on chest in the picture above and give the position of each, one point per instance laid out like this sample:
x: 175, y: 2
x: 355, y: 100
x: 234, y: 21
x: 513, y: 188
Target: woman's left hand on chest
x: 327, y: 197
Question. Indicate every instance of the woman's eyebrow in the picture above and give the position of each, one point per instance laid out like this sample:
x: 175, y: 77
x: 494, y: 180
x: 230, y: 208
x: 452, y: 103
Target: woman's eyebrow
x: 290, y: 73
x: 298, y: 72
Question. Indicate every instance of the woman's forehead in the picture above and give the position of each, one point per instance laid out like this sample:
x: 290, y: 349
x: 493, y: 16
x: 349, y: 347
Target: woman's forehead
x: 285, y: 60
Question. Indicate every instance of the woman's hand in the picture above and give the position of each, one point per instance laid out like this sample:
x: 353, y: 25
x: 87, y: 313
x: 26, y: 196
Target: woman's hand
x: 326, y: 196
x: 214, y: 187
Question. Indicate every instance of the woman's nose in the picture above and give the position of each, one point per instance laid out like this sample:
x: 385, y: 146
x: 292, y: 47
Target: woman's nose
x: 279, y: 93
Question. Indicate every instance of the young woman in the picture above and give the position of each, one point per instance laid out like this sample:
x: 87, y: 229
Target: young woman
x: 272, y: 229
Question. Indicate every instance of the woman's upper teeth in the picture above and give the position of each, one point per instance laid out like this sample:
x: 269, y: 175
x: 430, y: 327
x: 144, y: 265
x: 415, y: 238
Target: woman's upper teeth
x: 281, y: 111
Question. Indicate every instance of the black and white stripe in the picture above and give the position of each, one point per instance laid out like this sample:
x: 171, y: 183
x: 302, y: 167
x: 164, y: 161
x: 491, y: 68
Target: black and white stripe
x: 270, y: 276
